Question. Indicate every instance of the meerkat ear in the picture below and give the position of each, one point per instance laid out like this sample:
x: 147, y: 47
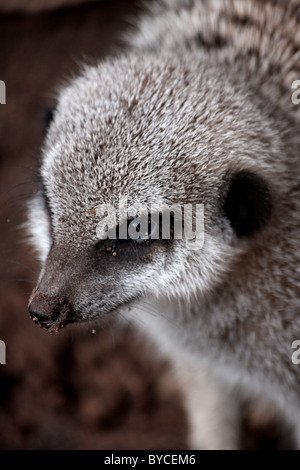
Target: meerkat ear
x: 247, y: 203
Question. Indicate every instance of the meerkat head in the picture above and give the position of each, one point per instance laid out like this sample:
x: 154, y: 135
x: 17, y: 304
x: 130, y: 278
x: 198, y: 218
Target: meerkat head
x: 165, y: 151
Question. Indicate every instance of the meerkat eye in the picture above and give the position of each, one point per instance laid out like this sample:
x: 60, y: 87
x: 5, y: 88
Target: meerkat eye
x: 151, y: 233
x: 143, y: 228
x: 146, y: 228
x: 247, y: 203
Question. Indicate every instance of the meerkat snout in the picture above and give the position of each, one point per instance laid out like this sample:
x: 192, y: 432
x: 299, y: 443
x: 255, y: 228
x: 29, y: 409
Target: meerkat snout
x: 50, y: 312
x: 50, y: 305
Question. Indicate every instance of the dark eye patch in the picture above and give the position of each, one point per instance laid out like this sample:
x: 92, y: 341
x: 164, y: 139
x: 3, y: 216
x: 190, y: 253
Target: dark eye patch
x: 154, y: 230
x: 216, y: 42
x: 247, y: 203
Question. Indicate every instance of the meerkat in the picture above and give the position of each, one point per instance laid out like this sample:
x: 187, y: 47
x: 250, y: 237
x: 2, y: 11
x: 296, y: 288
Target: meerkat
x: 197, y: 111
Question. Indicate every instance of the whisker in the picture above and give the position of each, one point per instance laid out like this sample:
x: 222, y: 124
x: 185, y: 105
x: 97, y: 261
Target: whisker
x: 24, y: 280
x: 18, y: 263
x: 148, y: 308
x: 125, y: 319
x: 2, y: 280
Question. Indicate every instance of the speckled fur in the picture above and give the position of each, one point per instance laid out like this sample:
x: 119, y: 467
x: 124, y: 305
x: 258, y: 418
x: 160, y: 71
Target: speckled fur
x: 204, y: 90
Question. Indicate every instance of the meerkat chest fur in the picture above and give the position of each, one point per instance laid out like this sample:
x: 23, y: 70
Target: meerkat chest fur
x: 195, y: 120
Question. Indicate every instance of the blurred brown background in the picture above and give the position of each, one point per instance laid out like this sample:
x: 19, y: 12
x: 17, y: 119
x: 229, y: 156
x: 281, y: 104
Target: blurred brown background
x: 74, y: 389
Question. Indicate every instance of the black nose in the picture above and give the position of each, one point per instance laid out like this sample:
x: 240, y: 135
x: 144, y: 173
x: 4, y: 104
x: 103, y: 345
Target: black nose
x: 43, y: 320
x: 50, y: 312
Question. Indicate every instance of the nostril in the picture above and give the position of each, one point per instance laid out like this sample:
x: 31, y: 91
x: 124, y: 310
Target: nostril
x: 42, y: 319
x: 34, y: 315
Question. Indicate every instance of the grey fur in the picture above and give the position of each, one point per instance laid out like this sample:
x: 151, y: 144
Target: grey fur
x: 203, y: 92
